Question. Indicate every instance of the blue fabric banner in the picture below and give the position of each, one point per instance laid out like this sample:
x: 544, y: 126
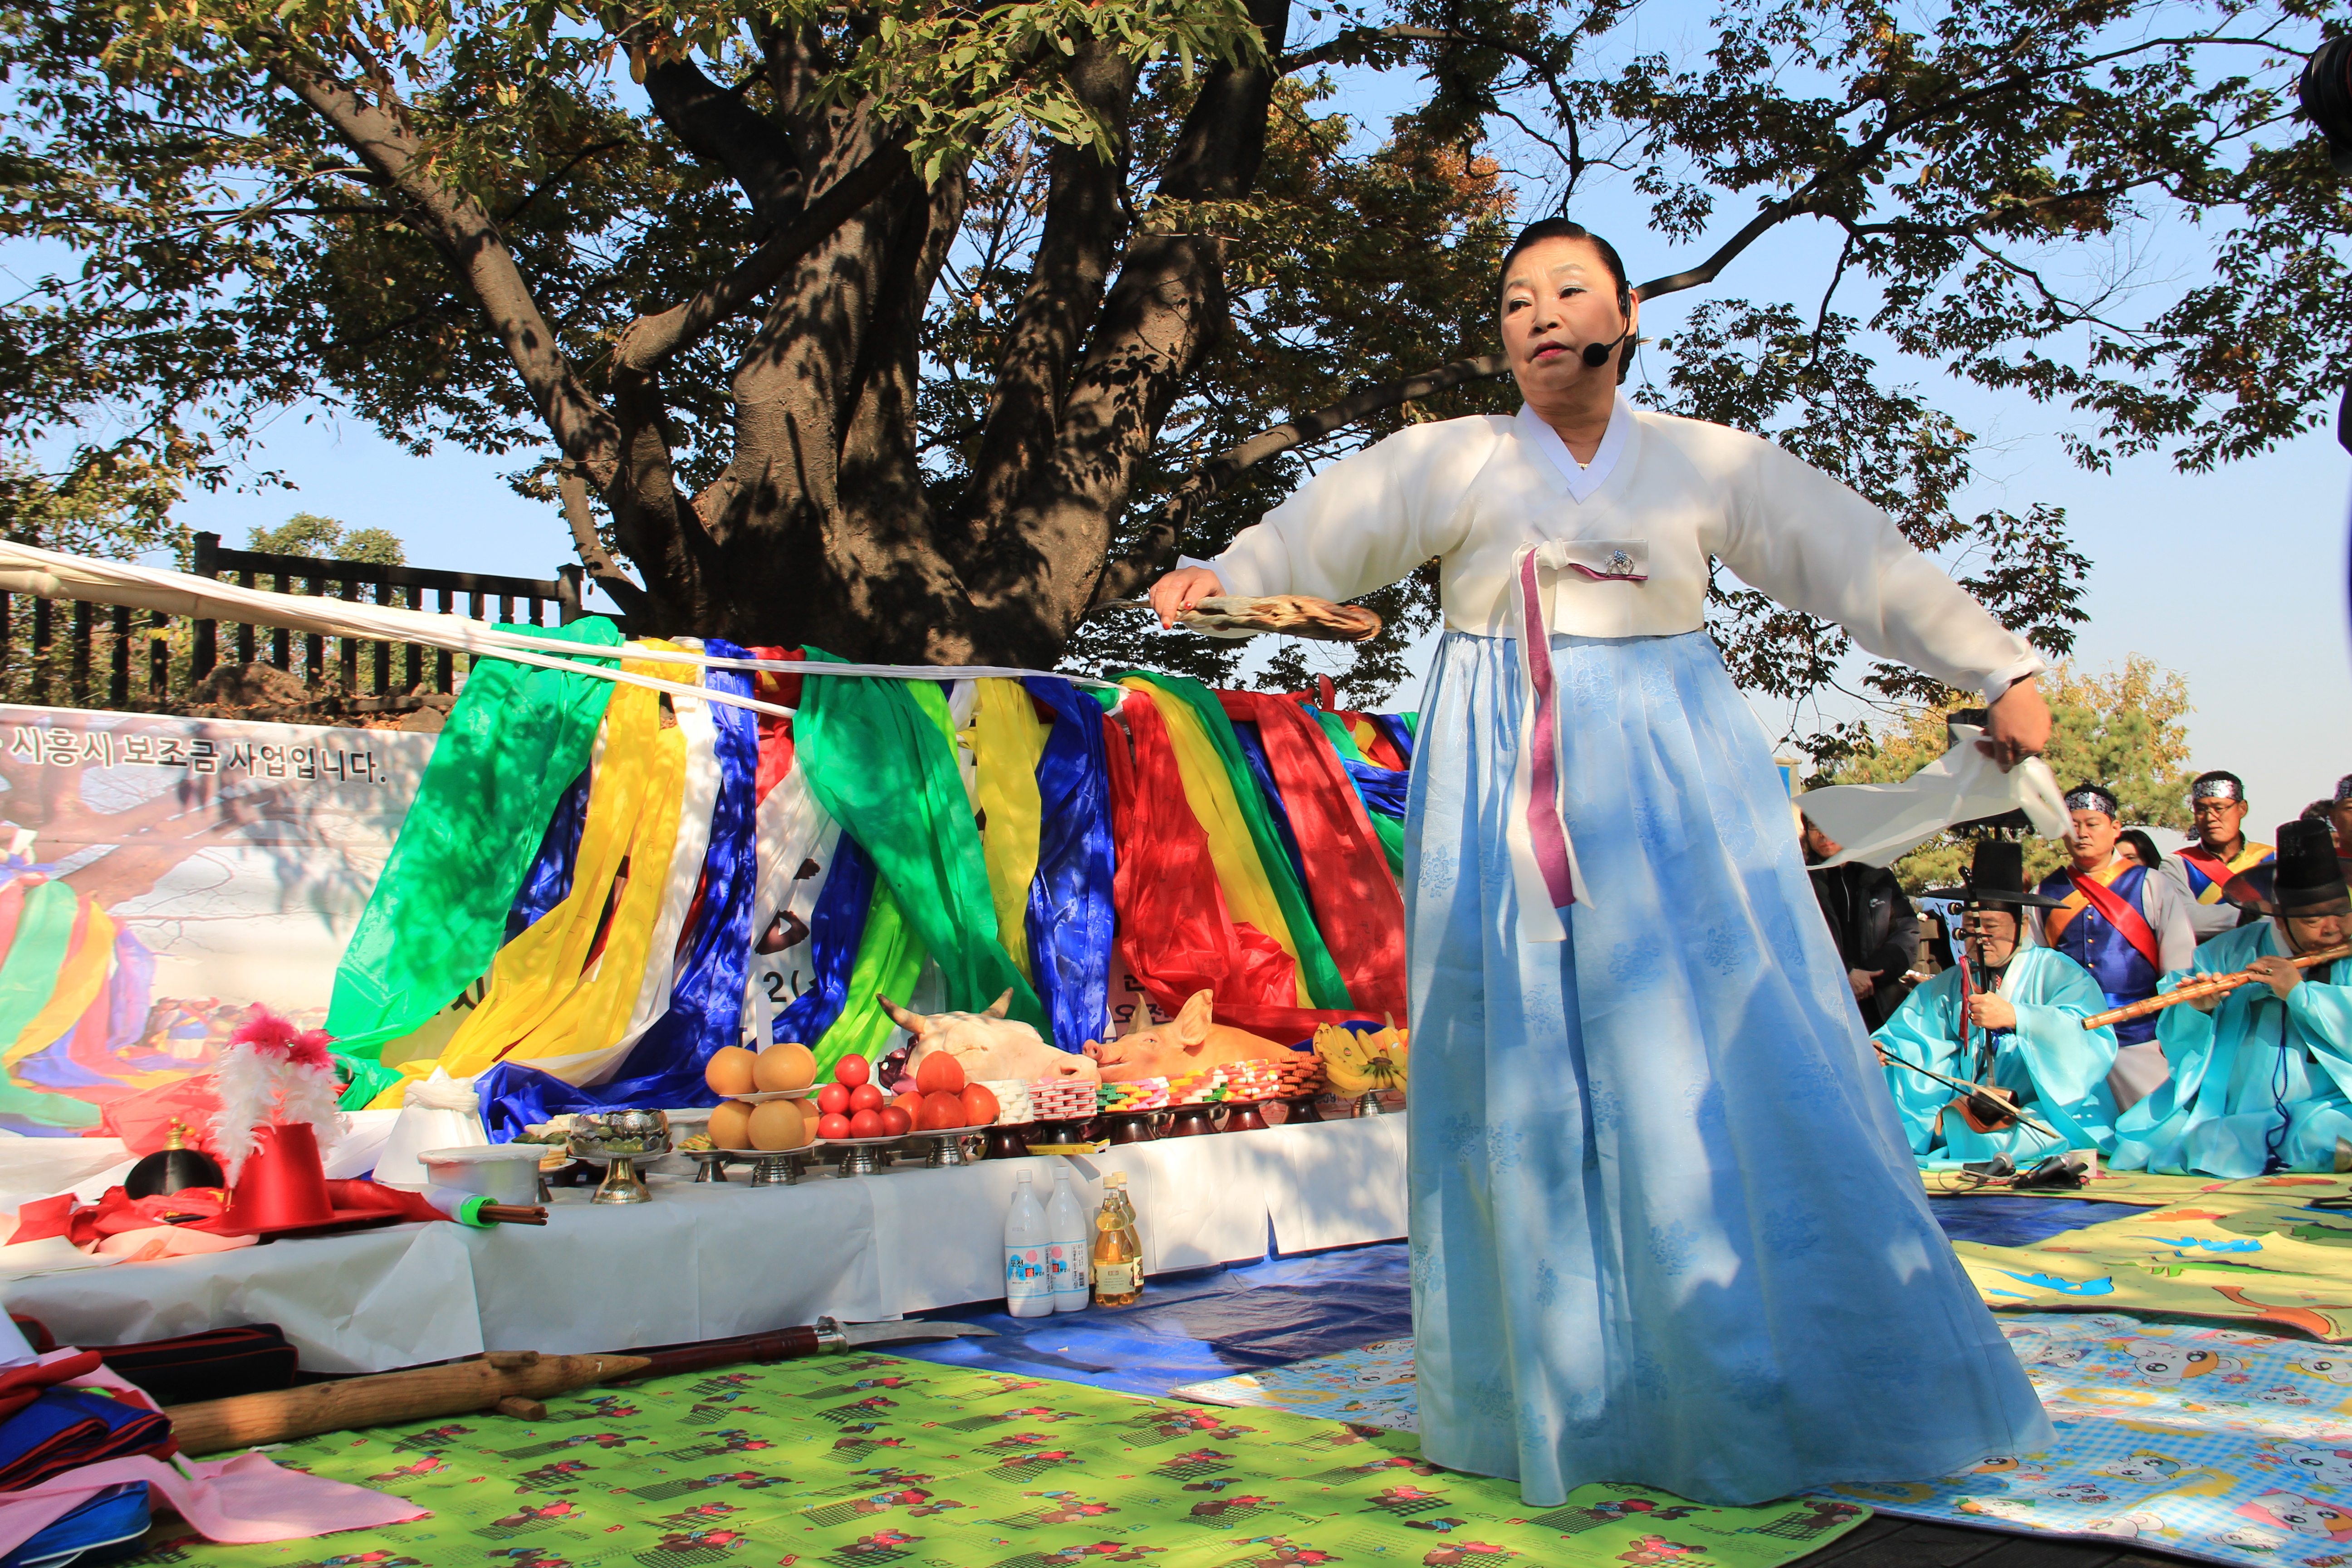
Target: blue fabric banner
x: 1070, y: 920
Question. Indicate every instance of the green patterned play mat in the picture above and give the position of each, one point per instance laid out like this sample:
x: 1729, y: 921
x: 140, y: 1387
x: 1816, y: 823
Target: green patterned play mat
x: 876, y: 1462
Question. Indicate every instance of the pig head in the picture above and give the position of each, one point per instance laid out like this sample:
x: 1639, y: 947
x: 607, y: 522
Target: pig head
x: 987, y: 1045
x: 1188, y: 1044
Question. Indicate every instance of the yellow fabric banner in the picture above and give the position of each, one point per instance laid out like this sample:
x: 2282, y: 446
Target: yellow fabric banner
x: 544, y: 998
x: 1009, y: 739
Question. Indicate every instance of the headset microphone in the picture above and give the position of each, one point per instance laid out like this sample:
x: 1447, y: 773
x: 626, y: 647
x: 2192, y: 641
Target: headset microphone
x: 1597, y: 354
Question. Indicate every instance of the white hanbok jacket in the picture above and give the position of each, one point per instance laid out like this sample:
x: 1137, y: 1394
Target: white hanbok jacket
x: 1623, y: 542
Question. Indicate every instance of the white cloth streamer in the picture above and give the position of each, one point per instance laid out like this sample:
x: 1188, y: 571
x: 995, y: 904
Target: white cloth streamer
x: 1877, y: 823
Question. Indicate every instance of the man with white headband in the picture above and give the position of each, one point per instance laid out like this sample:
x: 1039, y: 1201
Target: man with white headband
x: 2128, y: 927
x: 2217, y: 801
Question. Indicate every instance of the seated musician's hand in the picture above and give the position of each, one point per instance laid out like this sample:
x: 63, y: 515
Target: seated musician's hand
x: 1181, y: 590
x: 1988, y: 1011
x: 2281, y: 975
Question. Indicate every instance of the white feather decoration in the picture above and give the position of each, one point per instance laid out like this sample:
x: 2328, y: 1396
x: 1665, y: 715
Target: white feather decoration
x: 268, y: 1073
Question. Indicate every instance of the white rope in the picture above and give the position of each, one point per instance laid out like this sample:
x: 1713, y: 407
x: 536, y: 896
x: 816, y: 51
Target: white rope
x: 51, y: 574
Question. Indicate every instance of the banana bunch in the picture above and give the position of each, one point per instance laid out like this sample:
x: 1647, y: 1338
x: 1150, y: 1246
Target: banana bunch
x: 1359, y: 1064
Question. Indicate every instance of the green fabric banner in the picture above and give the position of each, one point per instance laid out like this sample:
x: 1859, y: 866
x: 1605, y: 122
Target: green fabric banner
x: 879, y: 759
x: 889, y: 961
x: 516, y: 739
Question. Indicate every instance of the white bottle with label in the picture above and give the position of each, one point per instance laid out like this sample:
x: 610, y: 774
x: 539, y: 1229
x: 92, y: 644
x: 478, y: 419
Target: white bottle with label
x: 1073, y: 1245
x: 1028, y: 1279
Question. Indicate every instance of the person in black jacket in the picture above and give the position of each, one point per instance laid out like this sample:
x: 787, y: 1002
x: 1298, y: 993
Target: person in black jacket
x: 1873, y: 925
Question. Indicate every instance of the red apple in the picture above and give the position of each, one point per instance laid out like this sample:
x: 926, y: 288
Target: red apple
x: 867, y: 1123
x: 867, y: 1097
x: 852, y: 1070
x: 895, y: 1123
x: 940, y: 1074
x: 834, y: 1100
x: 832, y: 1124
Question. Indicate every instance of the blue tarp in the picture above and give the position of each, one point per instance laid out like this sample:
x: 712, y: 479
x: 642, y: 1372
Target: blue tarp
x: 1213, y: 1323
x: 1201, y: 1324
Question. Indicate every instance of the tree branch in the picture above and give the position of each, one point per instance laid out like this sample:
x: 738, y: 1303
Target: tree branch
x: 558, y: 177
x: 1155, y: 551
x: 718, y: 126
x: 573, y: 486
x: 1762, y: 224
x: 1352, y: 46
x: 469, y: 240
x: 1158, y: 318
x: 1082, y: 234
x: 650, y: 340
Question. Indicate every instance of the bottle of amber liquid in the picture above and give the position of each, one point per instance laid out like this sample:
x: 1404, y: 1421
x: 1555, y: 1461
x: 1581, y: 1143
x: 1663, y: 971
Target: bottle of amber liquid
x: 1118, y: 1258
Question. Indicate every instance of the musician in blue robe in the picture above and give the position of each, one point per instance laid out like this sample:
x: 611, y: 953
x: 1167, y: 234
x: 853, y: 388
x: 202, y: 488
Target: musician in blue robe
x: 2261, y: 1078
x: 2126, y: 924
x: 2019, y: 1029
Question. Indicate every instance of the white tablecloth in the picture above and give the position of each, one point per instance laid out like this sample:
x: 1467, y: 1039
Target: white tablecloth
x: 703, y: 1261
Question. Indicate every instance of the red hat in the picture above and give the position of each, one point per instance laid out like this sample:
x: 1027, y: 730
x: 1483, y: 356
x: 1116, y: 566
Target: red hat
x: 281, y: 1189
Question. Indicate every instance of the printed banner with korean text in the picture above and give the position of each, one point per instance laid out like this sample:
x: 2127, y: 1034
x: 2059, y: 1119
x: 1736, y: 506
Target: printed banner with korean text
x: 162, y: 874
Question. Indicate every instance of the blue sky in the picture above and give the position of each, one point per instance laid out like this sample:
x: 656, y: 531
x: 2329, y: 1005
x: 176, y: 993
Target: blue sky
x: 2236, y: 579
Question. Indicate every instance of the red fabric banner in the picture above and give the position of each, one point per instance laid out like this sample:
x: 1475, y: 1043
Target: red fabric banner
x: 1175, y: 934
x: 1356, y: 906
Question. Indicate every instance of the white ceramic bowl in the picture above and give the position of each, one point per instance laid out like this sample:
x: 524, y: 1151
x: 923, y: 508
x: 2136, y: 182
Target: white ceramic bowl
x: 502, y: 1173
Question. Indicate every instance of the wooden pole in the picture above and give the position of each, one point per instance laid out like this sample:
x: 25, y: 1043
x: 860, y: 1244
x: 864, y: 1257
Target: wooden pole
x: 387, y: 1398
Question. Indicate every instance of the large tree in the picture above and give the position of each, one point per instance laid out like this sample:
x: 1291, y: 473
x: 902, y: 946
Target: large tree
x: 920, y: 332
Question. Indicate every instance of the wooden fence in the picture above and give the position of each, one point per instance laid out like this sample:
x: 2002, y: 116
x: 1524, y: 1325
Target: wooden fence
x: 149, y: 659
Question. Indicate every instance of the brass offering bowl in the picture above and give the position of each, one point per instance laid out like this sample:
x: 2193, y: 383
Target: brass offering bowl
x: 620, y: 1139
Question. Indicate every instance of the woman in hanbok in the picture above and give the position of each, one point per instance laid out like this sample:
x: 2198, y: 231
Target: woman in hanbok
x: 1665, y: 1227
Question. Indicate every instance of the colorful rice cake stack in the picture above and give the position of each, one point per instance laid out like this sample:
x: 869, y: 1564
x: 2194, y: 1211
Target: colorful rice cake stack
x: 1061, y: 1099
x: 1195, y: 1088
x: 1254, y: 1079
x: 1143, y: 1094
x: 1013, y: 1107
x: 1300, y: 1077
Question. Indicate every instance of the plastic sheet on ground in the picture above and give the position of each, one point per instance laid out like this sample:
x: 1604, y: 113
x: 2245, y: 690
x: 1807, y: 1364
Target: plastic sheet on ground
x: 2018, y: 1221
x: 1204, y: 1323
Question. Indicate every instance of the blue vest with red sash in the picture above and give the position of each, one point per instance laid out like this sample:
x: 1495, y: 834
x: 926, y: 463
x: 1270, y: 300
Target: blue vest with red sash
x: 2094, y: 936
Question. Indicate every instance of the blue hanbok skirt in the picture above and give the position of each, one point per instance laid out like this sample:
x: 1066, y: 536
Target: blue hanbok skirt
x: 1665, y: 1227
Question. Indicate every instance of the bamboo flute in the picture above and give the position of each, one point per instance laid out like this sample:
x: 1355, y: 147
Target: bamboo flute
x: 2209, y: 986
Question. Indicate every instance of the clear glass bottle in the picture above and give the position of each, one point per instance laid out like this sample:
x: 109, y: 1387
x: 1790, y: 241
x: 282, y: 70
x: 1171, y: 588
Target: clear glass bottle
x: 1119, y: 1259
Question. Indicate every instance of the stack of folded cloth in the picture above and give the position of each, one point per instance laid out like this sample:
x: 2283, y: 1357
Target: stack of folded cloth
x: 1253, y: 1078
x: 1143, y: 1094
x: 1196, y: 1087
x: 46, y: 1428
x: 1301, y: 1077
x: 1061, y: 1098
x: 1013, y: 1107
